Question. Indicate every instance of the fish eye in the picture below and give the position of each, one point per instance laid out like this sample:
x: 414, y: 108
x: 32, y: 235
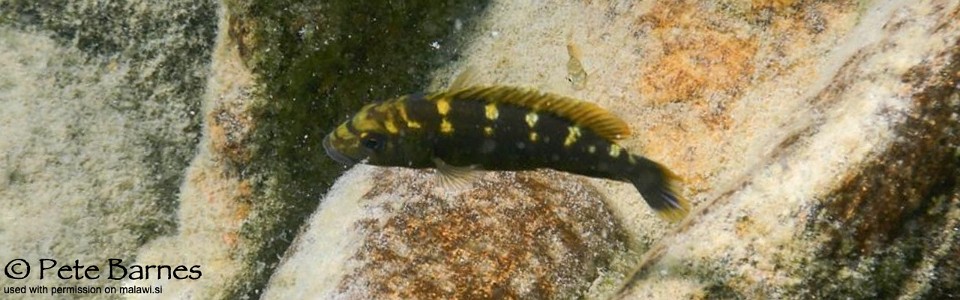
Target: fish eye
x: 372, y: 142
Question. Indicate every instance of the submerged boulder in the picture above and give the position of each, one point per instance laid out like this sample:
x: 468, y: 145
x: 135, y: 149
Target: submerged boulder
x: 818, y: 142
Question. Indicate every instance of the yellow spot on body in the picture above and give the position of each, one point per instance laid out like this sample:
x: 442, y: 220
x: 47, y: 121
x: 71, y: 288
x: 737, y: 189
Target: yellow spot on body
x: 443, y: 107
x: 491, y: 111
x: 413, y: 124
x: 488, y: 131
x: 592, y: 149
x: 573, y: 133
x: 632, y: 161
x: 614, y: 150
x: 446, y: 127
x: 532, y: 119
x: 533, y: 136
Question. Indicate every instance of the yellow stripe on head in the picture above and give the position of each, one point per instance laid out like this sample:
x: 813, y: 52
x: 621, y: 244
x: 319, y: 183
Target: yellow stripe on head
x: 342, y: 131
x: 413, y: 124
x: 402, y: 109
x: 365, y: 119
x: 389, y: 113
x: 381, y: 117
x: 391, y: 128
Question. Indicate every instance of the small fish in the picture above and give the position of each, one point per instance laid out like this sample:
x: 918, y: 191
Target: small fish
x: 575, y: 72
x: 463, y: 130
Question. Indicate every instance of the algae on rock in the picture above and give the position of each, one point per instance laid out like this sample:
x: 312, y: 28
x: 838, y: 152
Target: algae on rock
x: 101, y: 114
x: 308, y: 65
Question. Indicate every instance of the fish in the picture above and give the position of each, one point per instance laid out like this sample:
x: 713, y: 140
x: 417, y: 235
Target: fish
x: 462, y: 131
x: 575, y: 72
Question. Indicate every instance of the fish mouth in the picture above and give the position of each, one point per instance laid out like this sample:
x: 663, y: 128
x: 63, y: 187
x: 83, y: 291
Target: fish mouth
x: 336, y: 155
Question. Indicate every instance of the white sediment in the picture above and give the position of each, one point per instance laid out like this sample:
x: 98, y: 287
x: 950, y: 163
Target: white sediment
x: 324, y: 250
x: 71, y: 180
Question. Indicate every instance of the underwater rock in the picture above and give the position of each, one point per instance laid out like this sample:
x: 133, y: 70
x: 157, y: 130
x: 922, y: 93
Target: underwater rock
x: 857, y: 194
x: 99, y: 115
x: 817, y: 139
x: 284, y: 72
x: 818, y: 143
x: 384, y: 232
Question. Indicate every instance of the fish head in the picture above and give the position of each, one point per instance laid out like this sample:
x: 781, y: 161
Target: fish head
x: 370, y: 136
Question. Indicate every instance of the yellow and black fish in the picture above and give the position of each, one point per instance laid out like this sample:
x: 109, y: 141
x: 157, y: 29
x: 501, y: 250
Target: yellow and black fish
x: 501, y: 128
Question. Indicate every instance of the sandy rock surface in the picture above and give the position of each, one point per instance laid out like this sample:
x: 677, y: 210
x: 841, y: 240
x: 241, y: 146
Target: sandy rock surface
x: 818, y: 142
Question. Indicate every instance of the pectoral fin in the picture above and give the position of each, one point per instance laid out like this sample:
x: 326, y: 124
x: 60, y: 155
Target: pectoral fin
x: 454, y: 178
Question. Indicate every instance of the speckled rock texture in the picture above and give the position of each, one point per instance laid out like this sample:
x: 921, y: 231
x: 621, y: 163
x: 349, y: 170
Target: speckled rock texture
x: 99, y: 116
x: 818, y: 142
x: 512, y: 235
x: 858, y: 197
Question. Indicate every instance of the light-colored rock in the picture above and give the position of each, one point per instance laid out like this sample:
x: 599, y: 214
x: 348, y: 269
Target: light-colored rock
x: 771, y: 110
x: 98, y: 118
x: 818, y: 142
x: 775, y: 233
x: 278, y: 83
x: 395, y: 233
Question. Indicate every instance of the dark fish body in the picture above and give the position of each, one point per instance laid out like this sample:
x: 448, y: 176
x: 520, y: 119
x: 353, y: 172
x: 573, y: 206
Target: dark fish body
x: 501, y: 128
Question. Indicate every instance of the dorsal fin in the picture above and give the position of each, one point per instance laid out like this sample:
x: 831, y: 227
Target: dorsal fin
x: 585, y: 114
x: 466, y: 78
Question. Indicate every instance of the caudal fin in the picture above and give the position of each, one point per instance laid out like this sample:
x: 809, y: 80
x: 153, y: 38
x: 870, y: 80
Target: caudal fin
x: 658, y: 186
